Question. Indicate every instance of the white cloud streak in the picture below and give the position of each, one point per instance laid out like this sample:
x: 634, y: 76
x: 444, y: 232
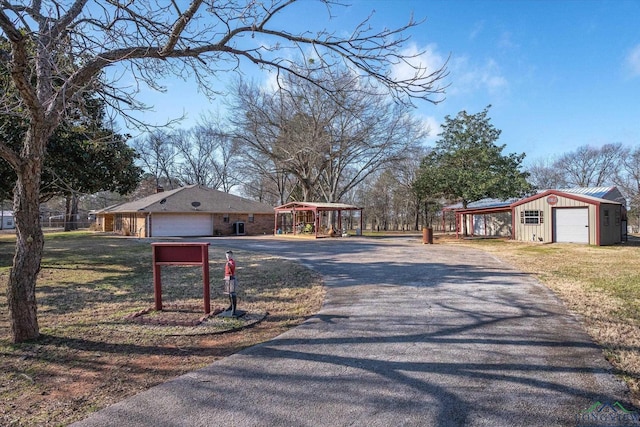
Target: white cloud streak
x: 419, y: 58
x: 633, y: 61
x: 468, y: 78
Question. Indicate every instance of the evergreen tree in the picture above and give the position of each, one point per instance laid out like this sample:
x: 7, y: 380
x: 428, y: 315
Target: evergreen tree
x: 467, y: 165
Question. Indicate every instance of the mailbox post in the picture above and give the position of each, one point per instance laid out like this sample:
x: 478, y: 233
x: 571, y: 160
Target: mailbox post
x: 180, y: 253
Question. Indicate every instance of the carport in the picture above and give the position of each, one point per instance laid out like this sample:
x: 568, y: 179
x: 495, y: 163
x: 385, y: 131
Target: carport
x: 485, y: 218
x: 311, y: 218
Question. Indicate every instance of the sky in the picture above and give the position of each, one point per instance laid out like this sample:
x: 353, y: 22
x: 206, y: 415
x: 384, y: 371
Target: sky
x: 558, y: 74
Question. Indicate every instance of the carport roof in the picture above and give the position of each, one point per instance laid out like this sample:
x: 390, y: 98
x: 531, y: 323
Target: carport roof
x: 593, y: 195
x: 484, y: 204
x: 317, y: 206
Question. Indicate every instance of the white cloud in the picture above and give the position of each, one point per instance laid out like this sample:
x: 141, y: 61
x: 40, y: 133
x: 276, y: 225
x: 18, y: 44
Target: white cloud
x: 633, y: 61
x: 270, y: 83
x: 419, y: 58
x: 432, y: 126
x: 506, y: 41
x: 476, y: 30
x: 468, y: 77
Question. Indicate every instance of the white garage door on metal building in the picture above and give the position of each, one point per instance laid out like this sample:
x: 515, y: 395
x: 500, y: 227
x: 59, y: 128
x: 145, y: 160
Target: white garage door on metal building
x: 479, y: 226
x: 571, y: 225
x: 180, y: 225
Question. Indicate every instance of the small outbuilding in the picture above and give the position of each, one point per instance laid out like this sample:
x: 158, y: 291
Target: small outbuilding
x: 187, y: 211
x: 486, y: 218
x: 562, y: 217
x: 595, y: 216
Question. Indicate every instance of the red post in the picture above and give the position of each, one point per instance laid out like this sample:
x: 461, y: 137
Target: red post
x: 205, y: 279
x: 157, y: 287
x: 157, y: 283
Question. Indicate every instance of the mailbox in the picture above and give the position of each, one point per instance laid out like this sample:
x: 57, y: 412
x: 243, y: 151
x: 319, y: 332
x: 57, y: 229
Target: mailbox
x: 180, y: 253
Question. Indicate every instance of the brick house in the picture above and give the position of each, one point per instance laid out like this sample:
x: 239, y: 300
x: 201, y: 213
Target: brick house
x: 188, y: 211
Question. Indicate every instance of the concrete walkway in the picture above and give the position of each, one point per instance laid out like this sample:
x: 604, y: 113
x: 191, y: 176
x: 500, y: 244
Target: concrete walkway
x: 410, y: 335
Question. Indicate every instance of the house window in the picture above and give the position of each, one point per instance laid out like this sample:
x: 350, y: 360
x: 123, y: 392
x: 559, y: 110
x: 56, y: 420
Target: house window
x: 225, y: 218
x: 617, y: 217
x: 531, y: 217
x: 605, y: 218
x: 251, y: 218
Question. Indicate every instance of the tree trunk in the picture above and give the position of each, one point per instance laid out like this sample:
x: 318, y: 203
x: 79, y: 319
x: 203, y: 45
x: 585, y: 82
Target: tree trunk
x: 67, y: 214
x: 71, y: 213
x: 21, y: 289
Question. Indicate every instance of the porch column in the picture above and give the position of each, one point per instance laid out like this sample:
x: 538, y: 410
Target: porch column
x: 275, y: 224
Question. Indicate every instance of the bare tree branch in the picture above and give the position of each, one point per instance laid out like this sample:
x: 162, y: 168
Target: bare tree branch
x: 60, y: 50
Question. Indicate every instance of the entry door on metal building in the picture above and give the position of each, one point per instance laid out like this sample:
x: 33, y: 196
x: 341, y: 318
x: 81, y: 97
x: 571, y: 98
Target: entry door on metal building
x: 571, y: 225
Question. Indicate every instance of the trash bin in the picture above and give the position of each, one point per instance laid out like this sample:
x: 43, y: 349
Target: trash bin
x: 427, y: 235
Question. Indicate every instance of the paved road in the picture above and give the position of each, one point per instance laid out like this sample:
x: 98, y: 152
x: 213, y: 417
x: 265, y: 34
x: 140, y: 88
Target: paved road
x: 409, y: 335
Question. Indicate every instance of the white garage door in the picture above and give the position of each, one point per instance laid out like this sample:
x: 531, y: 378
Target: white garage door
x: 571, y: 225
x: 181, y: 225
x: 479, y: 228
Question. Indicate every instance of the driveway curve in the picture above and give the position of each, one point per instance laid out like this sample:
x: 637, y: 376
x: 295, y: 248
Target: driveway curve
x: 409, y: 335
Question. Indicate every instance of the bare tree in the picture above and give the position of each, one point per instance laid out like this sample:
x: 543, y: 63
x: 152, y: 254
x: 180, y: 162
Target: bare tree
x: 331, y: 141
x: 158, y: 157
x: 544, y: 174
x: 377, y: 197
x: 628, y: 180
x: 589, y: 166
x: 406, y: 173
x: 273, y: 125
x: 196, y: 157
x: 225, y: 156
x: 150, y: 39
x: 266, y: 180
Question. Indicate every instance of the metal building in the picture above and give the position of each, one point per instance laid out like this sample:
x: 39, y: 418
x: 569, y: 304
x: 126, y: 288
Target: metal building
x: 557, y: 216
x: 595, y: 216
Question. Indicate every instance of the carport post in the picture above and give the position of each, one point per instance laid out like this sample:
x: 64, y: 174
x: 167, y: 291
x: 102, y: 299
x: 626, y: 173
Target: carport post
x: 205, y: 279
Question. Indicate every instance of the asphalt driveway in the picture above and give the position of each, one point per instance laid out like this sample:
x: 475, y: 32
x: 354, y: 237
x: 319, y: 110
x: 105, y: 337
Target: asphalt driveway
x: 409, y: 335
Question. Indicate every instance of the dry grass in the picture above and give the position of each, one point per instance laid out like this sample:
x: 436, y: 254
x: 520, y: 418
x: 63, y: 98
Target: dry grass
x: 600, y: 284
x: 90, y: 355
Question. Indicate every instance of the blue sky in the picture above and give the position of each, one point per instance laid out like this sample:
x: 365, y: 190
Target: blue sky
x: 558, y: 74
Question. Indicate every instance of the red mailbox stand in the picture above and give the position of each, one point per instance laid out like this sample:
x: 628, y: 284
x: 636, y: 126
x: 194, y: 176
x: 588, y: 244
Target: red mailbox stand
x: 180, y: 253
